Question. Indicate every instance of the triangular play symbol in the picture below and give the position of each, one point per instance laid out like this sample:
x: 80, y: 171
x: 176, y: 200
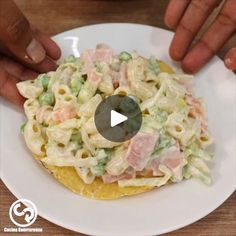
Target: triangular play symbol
x: 117, y: 118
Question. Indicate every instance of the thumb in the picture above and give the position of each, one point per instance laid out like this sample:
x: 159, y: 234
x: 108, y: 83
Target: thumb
x: 16, y: 36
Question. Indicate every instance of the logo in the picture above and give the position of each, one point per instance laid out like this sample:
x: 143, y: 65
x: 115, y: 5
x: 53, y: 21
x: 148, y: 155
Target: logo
x: 21, y: 215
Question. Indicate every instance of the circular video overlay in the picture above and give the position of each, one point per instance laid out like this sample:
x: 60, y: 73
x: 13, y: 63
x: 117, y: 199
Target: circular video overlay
x: 118, y: 118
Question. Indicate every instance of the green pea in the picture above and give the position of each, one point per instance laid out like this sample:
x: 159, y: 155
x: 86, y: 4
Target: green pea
x: 44, y: 81
x: 125, y: 57
x: 70, y: 59
x: 46, y: 98
x: 99, y: 169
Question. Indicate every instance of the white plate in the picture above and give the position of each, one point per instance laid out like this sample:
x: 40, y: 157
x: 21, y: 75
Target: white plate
x: 155, y: 212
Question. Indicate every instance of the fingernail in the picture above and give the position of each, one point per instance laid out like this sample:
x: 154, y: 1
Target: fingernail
x: 230, y: 59
x: 228, y: 62
x: 35, y: 51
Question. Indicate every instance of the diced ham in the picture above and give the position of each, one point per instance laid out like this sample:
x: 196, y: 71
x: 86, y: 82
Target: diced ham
x: 64, y: 113
x: 94, y: 78
x: 154, y: 167
x: 101, y: 54
x: 196, y: 106
x: 102, y: 46
x: 173, y: 159
x: 120, y: 78
x: 44, y: 114
x: 145, y: 173
x: 87, y: 68
x: 88, y: 55
x: 196, y: 110
x: 128, y: 174
x: 140, y: 149
x: 123, y: 75
x: 104, y: 55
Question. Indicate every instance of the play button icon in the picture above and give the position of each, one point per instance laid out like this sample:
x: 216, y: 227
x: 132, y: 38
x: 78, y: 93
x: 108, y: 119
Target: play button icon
x: 118, y: 118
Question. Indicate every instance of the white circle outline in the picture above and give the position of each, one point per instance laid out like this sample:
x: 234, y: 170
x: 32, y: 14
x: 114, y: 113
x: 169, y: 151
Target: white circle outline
x: 23, y: 201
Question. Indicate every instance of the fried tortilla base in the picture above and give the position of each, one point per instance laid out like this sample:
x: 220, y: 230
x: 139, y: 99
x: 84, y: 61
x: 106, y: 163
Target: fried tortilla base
x: 97, y: 190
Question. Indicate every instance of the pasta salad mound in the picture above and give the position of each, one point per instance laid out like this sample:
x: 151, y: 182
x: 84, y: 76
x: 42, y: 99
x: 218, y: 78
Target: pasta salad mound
x: 60, y: 129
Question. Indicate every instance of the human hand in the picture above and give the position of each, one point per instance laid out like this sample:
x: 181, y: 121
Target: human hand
x: 187, y: 18
x: 24, y: 51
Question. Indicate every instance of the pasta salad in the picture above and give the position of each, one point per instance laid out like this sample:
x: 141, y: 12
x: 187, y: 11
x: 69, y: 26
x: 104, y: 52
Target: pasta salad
x: 60, y: 129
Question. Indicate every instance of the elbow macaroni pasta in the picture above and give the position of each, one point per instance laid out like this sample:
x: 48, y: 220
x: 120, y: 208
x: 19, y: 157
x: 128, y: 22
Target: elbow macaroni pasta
x: 33, y: 138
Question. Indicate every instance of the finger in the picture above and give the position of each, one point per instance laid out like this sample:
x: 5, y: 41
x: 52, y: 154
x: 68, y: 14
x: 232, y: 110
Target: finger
x: 17, y: 70
x: 193, y: 19
x: 46, y: 65
x: 8, y: 88
x: 174, y: 12
x: 230, y: 59
x: 16, y: 34
x: 218, y: 33
x: 49, y: 45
